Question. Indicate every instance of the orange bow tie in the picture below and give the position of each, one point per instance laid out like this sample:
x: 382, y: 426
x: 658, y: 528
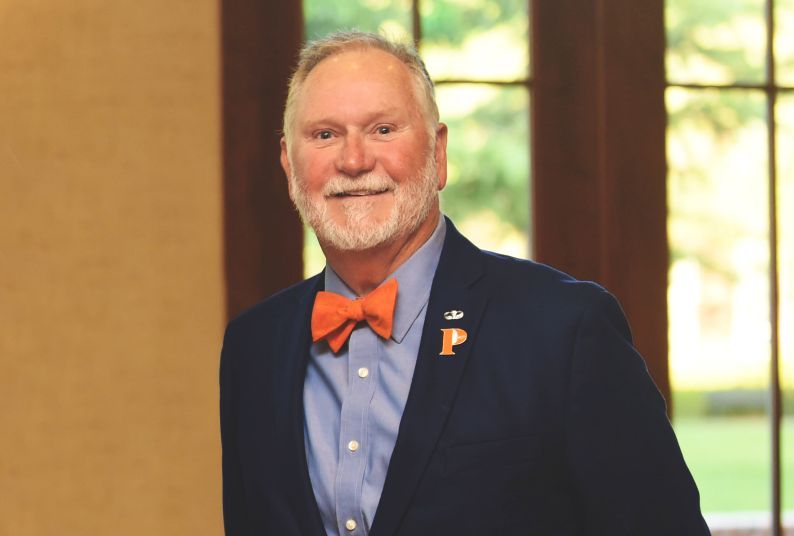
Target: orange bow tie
x: 334, y: 316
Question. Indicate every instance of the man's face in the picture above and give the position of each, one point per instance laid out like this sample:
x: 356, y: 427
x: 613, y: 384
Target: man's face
x: 362, y: 165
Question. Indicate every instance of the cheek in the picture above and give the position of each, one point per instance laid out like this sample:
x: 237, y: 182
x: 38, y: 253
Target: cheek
x: 404, y: 164
x: 313, y: 173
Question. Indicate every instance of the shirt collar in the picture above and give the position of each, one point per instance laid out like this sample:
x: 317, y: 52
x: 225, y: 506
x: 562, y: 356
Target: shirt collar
x: 414, y: 278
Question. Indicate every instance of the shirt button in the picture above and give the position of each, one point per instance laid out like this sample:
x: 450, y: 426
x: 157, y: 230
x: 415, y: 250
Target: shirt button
x: 350, y: 525
x: 363, y: 372
x: 352, y: 447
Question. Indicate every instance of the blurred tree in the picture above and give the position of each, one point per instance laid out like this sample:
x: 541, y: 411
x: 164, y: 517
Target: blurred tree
x: 391, y: 17
x: 715, y: 41
x: 489, y: 156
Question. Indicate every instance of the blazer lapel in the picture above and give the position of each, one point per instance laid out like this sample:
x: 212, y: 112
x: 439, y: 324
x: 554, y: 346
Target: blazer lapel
x: 294, y: 350
x: 436, y: 377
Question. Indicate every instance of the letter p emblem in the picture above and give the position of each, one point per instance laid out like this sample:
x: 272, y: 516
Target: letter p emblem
x: 451, y: 338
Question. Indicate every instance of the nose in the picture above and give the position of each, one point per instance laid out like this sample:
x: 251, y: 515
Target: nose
x: 355, y: 157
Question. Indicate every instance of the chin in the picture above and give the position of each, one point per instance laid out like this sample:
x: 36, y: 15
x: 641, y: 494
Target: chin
x: 362, y: 224
x: 360, y: 235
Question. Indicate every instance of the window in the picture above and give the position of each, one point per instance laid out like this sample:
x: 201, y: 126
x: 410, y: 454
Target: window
x: 730, y: 70
x: 482, y: 96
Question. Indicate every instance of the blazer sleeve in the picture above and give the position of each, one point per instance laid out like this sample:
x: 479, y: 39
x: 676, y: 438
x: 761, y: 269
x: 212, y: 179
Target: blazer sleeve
x: 623, y: 456
x: 234, y: 514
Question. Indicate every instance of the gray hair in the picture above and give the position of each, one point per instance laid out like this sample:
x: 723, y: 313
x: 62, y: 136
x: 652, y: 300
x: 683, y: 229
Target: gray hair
x: 336, y: 43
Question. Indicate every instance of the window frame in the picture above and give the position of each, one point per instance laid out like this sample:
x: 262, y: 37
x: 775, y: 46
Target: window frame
x: 771, y: 89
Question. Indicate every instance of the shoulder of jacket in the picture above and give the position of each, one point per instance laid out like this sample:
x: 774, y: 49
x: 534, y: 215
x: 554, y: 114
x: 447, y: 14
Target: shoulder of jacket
x: 523, y: 274
x: 277, y: 306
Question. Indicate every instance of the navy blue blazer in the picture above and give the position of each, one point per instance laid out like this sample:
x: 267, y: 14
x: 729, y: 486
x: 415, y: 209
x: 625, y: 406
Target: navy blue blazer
x: 544, y: 422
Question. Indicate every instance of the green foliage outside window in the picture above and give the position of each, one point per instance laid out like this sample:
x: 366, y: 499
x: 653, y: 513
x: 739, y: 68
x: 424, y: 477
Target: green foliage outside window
x: 488, y: 188
x: 718, y: 155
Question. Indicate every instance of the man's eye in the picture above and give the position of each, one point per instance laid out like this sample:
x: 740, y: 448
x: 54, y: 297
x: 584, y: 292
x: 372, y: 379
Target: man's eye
x: 324, y: 135
x: 384, y: 130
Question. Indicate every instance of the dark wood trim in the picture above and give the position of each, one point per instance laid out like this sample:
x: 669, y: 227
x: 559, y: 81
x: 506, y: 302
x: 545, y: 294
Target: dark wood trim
x: 768, y: 87
x: 416, y: 22
x: 776, y: 402
x: 599, y: 164
x: 263, y: 237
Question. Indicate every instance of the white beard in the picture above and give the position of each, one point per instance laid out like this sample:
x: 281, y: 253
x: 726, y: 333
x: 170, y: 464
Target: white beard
x: 413, y: 201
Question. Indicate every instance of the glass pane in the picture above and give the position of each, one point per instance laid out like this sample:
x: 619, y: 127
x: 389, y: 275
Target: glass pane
x: 487, y: 193
x: 785, y: 215
x: 484, y: 40
x: 715, y: 41
x: 313, y: 258
x: 718, y: 298
x: 388, y: 17
x: 784, y: 41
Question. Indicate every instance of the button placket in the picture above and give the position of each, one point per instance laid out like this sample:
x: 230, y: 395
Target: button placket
x: 363, y: 349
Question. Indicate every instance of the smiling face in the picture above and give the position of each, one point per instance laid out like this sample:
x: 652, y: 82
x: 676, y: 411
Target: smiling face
x: 363, y: 162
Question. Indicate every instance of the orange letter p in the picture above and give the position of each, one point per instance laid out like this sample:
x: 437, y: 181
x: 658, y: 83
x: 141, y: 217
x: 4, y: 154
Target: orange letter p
x: 452, y: 337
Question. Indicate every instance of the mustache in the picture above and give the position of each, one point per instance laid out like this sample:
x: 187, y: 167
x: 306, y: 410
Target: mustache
x: 372, y: 183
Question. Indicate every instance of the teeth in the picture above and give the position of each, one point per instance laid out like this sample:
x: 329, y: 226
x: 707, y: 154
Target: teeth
x: 358, y: 193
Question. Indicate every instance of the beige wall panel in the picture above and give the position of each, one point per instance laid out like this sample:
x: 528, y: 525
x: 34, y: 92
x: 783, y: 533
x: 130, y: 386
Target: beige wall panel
x: 111, y: 288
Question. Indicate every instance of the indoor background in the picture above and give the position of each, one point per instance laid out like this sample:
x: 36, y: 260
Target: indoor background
x: 640, y: 143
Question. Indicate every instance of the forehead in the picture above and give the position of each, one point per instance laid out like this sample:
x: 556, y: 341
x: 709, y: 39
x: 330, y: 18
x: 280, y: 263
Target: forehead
x: 356, y: 79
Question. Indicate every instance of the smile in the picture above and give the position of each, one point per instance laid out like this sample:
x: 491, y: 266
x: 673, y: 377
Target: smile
x: 359, y: 193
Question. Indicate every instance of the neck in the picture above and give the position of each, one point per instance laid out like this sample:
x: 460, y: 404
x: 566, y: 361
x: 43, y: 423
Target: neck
x: 363, y: 271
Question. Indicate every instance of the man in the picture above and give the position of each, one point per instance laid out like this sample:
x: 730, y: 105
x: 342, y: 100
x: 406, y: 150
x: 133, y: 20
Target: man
x: 419, y: 385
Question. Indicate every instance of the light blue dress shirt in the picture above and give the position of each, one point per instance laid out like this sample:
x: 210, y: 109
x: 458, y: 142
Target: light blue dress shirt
x: 353, y: 401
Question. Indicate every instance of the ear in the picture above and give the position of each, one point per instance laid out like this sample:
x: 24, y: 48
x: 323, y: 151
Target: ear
x: 285, y: 163
x: 441, y: 155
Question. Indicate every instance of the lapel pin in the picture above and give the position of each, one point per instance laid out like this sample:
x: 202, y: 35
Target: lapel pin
x: 453, y: 315
x: 452, y: 337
